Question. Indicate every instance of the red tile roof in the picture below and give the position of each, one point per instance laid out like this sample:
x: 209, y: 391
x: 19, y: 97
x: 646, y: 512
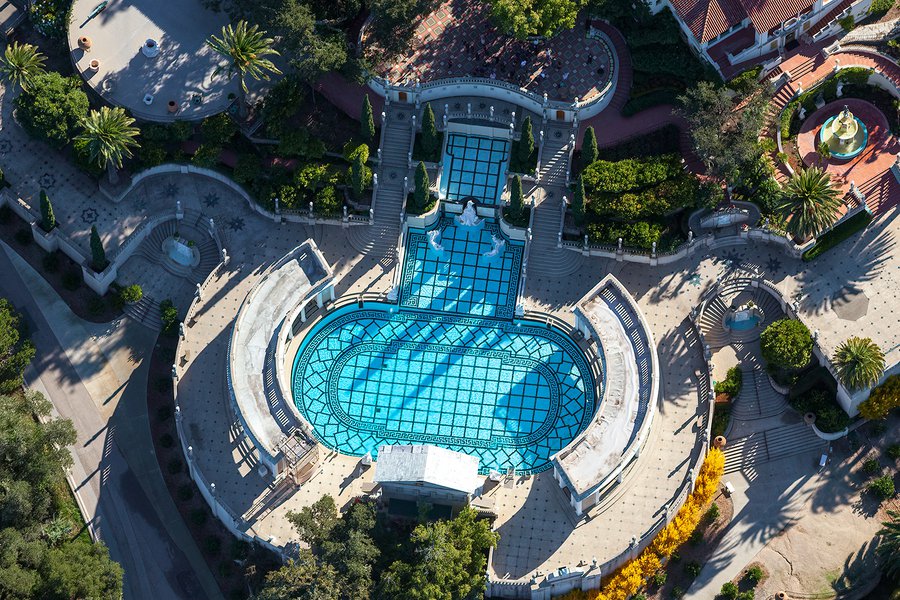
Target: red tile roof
x: 832, y: 14
x: 766, y: 14
x: 708, y: 18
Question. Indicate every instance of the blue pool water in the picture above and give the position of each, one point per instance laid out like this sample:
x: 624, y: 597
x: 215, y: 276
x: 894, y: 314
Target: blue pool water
x: 512, y: 394
x: 474, y: 166
x: 460, y: 279
x: 744, y: 324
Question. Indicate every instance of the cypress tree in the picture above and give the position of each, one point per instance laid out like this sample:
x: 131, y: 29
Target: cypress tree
x: 430, y: 138
x: 578, y: 201
x: 98, y: 254
x: 367, y: 121
x: 589, y: 152
x: 48, y: 219
x: 420, y: 196
x: 358, y: 176
x: 526, y: 142
x: 515, y: 198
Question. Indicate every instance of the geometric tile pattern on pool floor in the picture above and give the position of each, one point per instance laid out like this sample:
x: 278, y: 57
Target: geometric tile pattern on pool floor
x: 474, y: 166
x: 511, y: 394
x: 462, y: 278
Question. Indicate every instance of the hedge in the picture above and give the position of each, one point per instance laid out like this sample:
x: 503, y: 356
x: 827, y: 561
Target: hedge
x: 649, y: 99
x: 841, y: 232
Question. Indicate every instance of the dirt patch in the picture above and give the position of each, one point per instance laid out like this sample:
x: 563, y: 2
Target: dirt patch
x: 61, y: 272
x: 685, y: 564
x: 324, y: 121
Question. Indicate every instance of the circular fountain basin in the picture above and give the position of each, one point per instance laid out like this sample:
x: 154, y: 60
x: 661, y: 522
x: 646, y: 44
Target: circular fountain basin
x: 844, y: 145
x: 181, y: 252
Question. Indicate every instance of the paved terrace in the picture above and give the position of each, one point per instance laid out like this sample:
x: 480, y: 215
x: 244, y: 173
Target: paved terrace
x: 459, y: 40
x: 183, y: 71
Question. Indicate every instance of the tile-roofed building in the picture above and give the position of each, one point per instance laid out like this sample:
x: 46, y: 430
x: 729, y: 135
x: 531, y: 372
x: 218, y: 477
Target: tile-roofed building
x: 735, y: 35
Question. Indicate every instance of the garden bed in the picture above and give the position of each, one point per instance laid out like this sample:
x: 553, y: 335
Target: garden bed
x: 219, y: 547
x: 59, y: 271
x: 684, y: 566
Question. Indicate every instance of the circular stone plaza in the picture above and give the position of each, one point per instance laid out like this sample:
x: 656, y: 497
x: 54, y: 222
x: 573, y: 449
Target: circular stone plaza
x: 562, y: 390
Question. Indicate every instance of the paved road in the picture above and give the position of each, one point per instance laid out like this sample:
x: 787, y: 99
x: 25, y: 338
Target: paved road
x: 112, y: 496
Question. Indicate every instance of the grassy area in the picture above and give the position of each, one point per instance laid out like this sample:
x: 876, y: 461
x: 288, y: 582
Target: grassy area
x: 837, y: 235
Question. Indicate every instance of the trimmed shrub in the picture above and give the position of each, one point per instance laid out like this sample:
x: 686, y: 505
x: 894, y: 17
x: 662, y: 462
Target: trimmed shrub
x: 218, y: 130
x: 175, y: 466
x: 199, y: 517
x: 872, y: 467
x: 731, y: 385
x: 98, y: 254
x: 131, y: 294
x: 589, y: 152
x: 367, y: 121
x: 48, y: 219
x: 166, y: 440
x: 753, y: 575
x: 692, y: 568
x: 169, y: 317
x: 712, y: 514
x: 729, y: 591
x: 841, y: 232
x: 50, y: 262
x: 185, y: 492
x: 893, y: 451
x: 659, y: 578
x: 883, y: 487
x: 431, y: 140
x: 52, y: 108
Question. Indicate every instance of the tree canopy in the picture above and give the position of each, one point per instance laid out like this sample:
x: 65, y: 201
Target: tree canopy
x: 524, y: 18
x: 52, y: 107
x: 786, y: 344
x: 16, y: 350
x: 725, y: 133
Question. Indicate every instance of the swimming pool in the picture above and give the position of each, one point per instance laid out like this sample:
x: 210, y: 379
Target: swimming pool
x: 511, y: 393
x: 474, y: 166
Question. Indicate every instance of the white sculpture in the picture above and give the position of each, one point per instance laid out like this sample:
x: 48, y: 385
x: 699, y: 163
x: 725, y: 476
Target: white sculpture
x: 498, y: 245
x: 840, y: 89
x: 802, y: 113
x: 434, y: 237
x: 469, y: 217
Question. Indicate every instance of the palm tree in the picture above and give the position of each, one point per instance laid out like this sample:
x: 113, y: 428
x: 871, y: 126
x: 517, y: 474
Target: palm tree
x: 21, y: 63
x: 109, y: 135
x: 245, y: 48
x: 859, y: 362
x: 811, y: 203
x: 889, y: 548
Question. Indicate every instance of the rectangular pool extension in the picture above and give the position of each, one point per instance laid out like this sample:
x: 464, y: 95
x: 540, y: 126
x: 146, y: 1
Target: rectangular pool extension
x: 474, y: 166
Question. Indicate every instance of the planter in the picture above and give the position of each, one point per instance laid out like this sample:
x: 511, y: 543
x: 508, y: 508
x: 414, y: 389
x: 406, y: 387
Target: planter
x: 150, y: 49
x: 84, y: 42
x: 94, y: 65
x: 809, y: 418
x: 720, y: 441
x: 172, y: 106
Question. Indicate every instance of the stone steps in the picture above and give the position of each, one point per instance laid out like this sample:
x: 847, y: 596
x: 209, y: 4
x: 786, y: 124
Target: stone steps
x: 146, y: 312
x: 767, y: 446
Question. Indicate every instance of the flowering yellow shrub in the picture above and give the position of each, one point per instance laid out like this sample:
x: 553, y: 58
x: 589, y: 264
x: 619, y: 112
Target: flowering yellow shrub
x: 629, y: 579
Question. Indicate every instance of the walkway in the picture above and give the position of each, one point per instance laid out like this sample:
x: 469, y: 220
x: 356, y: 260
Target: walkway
x: 95, y: 376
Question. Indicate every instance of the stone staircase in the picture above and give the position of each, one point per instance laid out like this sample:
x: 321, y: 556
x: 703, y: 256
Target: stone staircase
x: 774, y: 444
x: 545, y: 258
x: 758, y: 399
x: 192, y: 227
x: 381, y: 237
x: 146, y: 312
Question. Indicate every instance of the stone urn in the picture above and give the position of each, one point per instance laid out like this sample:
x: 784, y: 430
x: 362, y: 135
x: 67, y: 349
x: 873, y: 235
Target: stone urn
x: 809, y: 418
x: 94, y: 65
x: 84, y: 42
x: 782, y: 596
x: 150, y: 49
x: 172, y: 106
x: 720, y: 441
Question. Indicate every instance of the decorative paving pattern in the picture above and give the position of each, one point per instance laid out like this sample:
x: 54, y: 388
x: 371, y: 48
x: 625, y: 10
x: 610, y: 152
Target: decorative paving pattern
x: 460, y: 279
x: 459, y: 40
x: 511, y: 394
x: 474, y: 167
